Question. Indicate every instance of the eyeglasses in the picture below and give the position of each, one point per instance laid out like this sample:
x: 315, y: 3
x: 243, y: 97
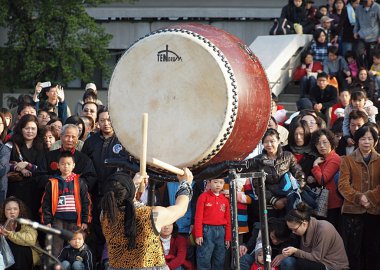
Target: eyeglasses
x: 295, y: 229
x: 322, y: 143
x: 88, y: 110
x: 311, y: 122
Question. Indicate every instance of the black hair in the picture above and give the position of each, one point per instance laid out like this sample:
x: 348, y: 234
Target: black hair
x: 271, y: 132
x: 65, y: 154
x: 317, y: 33
x: 322, y: 75
x: 24, y: 210
x: 274, y: 120
x: 362, y: 131
x: 279, y: 228
x: 102, y: 109
x: 292, y: 129
x: 333, y: 49
x: 23, y: 106
x: 301, y: 213
x: 89, y: 93
x: 17, y: 136
x: 304, y: 54
x: 318, y: 134
x: 350, y: 54
x: 337, y: 127
x: 356, y: 114
x: 356, y: 95
x: 25, y: 99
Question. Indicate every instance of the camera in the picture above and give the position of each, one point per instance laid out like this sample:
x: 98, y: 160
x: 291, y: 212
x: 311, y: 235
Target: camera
x: 45, y: 84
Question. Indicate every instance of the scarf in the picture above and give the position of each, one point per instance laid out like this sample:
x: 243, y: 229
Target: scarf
x: 306, y: 149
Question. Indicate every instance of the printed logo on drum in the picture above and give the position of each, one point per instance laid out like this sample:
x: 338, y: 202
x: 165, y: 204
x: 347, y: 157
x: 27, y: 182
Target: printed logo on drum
x: 168, y: 56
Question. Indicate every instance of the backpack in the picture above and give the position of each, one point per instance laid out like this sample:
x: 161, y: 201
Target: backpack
x: 281, y: 26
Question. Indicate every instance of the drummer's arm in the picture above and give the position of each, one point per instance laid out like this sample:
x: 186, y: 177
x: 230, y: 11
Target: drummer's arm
x: 163, y: 216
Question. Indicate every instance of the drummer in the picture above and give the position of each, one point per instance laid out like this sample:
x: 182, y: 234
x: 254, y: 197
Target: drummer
x: 122, y: 217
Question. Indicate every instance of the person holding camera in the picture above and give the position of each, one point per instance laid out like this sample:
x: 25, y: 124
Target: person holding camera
x: 53, y: 98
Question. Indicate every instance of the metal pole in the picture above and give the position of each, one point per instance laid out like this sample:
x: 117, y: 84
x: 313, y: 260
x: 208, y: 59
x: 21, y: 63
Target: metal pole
x: 234, y: 221
x: 47, y: 262
x: 264, y: 222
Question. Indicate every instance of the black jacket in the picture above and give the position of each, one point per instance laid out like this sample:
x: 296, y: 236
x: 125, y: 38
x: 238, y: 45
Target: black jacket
x: 327, y: 97
x: 48, y: 167
x: 71, y: 255
x: 297, y: 15
x: 98, y: 148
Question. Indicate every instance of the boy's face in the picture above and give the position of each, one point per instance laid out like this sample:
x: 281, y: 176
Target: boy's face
x: 216, y: 185
x: 322, y: 82
x: 66, y: 165
x: 77, y: 241
x: 344, y: 98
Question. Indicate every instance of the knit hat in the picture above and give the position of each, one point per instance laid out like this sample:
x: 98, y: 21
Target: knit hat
x: 258, y: 249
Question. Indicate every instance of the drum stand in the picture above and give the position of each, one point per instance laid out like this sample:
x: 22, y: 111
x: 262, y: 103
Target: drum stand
x: 260, y: 176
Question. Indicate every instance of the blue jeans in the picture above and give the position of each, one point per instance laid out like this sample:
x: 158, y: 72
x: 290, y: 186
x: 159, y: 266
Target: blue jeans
x: 306, y: 84
x: 77, y: 265
x: 210, y: 255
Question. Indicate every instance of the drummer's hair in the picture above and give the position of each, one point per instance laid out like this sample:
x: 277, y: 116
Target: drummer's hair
x: 299, y: 214
x: 271, y: 132
x: 279, y: 228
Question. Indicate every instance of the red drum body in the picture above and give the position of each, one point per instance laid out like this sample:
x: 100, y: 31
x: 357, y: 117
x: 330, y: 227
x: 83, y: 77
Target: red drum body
x: 206, y: 94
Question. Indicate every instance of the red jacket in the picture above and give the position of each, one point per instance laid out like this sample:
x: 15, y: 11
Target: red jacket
x: 328, y: 169
x: 212, y: 210
x: 177, y: 253
x: 333, y: 116
x: 300, y: 71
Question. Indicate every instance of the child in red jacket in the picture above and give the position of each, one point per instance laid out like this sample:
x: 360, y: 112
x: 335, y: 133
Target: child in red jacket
x: 259, y: 262
x: 212, y: 227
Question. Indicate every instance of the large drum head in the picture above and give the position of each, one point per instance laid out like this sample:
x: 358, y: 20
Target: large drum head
x: 188, y: 88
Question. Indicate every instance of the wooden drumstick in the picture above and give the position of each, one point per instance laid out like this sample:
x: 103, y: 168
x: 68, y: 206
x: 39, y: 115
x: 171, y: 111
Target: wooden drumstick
x: 166, y: 166
x: 144, y: 146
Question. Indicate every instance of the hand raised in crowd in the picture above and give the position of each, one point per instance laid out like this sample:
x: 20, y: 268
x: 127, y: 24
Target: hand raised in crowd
x: 243, y: 250
x: 38, y: 88
x: 310, y: 179
x: 60, y: 93
x: 84, y: 226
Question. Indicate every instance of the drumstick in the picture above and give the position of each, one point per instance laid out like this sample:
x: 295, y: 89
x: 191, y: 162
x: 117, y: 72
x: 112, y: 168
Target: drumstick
x: 167, y: 166
x: 144, y: 146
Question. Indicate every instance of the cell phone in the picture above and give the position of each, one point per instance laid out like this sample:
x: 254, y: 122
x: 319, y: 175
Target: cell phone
x: 45, y: 84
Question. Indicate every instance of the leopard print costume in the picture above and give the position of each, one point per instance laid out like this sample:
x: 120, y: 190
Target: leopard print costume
x: 148, y: 252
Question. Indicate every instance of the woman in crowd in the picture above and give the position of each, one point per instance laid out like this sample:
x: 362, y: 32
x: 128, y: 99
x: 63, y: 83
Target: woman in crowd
x: 283, y: 162
x: 48, y: 134
x: 20, y: 238
x: 319, y: 45
x: 346, y: 26
x: 4, y: 159
x: 325, y: 167
x: 175, y: 248
x: 305, y: 73
x: 364, y: 82
x: 313, y: 121
x: 321, y: 246
x: 299, y: 145
x: 56, y: 124
x: 359, y: 184
x: 27, y: 149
